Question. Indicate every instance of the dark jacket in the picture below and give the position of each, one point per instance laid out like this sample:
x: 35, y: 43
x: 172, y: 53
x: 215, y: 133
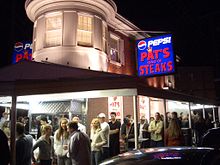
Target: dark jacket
x: 4, y: 149
x: 24, y: 150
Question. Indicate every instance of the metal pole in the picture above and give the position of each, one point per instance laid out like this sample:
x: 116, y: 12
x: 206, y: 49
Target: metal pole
x: 190, y: 125
x: 165, y: 111
x: 203, y: 111
x: 165, y: 117
x: 135, y: 121
x: 190, y: 117
x: 213, y: 114
x: 13, y: 130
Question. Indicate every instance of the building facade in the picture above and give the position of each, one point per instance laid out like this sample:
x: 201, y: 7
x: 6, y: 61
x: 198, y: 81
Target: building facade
x: 86, y: 34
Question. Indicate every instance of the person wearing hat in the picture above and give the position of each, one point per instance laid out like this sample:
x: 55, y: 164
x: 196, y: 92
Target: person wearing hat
x: 106, y: 131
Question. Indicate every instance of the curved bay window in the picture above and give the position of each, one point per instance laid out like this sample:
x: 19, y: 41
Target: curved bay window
x: 84, y: 30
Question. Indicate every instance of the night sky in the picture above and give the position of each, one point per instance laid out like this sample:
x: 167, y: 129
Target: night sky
x: 195, y: 26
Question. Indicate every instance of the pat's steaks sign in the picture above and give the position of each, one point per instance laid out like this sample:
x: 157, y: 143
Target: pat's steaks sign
x: 155, y: 56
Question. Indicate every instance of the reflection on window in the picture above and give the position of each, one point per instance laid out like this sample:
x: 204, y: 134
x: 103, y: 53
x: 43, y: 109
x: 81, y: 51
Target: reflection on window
x: 114, y: 49
x: 35, y: 46
x: 54, y: 30
x: 104, y: 36
x: 84, y: 30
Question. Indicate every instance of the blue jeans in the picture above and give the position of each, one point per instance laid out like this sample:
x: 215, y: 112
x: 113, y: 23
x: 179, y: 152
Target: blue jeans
x: 105, y: 153
x: 96, y: 157
x: 156, y: 143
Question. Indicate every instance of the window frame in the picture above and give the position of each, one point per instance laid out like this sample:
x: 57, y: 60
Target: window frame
x: 52, y: 32
x: 119, y: 49
x: 83, y: 30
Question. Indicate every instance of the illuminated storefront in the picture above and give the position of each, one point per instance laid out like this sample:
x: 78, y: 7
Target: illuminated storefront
x: 83, y: 65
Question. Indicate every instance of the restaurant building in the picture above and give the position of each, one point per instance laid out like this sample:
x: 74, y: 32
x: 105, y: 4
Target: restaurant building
x: 84, y: 62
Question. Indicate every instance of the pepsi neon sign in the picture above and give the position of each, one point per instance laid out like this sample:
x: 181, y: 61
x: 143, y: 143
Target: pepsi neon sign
x: 22, y: 51
x: 155, y: 56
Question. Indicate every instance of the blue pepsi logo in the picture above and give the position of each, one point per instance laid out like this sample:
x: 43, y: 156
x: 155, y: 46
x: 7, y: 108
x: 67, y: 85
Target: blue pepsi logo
x: 142, y: 45
x: 18, y: 46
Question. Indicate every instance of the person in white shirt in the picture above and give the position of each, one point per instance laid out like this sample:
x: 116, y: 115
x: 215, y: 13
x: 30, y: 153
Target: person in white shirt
x: 61, y: 142
x: 81, y: 127
x: 106, y: 131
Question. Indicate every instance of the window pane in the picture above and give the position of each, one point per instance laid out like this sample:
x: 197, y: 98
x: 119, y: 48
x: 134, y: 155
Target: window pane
x: 114, y: 49
x: 54, y: 30
x: 53, y: 23
x: 84, y: 32
x: 53, y: 38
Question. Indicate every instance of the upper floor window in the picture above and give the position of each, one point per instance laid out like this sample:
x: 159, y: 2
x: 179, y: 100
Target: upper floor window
x: 84, y: 30
x: 54, y: 29
x: 116, y: 49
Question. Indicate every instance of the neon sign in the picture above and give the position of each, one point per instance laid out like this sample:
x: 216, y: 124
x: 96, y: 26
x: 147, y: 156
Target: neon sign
x: 22, y: 51
x: 155, y: 56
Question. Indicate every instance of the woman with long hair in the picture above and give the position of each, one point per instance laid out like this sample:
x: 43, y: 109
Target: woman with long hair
x: 98, y: 140
x: 173, y: 134
x: 61, y: 141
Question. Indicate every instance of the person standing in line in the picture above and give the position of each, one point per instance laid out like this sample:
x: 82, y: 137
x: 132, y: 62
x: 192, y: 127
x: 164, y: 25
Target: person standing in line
x: 143, y: 128
x: 45, y: 144
x: 98, y: 140
x: 3, y: 118
x: 173, y: 134
x: 114, y: 144
x: 156, y: 130
x: 61, y: 142
x: 143, y: 132
x: 106, y: 130
x: 81, y: 127
x: 4, y: 149
x: 200, y: 129
x: 24, y: 145
x: 174, y: 115
x: 127, y: 132
x: 6, y: 129
x: 42, y: 121
x: 79, y: 146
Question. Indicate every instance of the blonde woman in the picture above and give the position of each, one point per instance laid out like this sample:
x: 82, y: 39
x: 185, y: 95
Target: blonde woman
x: 173, y: 134
x: 61, y: 141
x: 98, y: 140
x: 6, y: 129
x: 45, y: 144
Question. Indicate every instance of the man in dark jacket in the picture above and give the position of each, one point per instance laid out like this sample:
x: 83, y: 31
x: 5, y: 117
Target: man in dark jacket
x: 4, y: 149
x: 24, y: 145
x: 79, y: 147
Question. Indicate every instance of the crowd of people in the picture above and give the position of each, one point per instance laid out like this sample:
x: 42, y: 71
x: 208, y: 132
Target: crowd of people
x: 70, y: 144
